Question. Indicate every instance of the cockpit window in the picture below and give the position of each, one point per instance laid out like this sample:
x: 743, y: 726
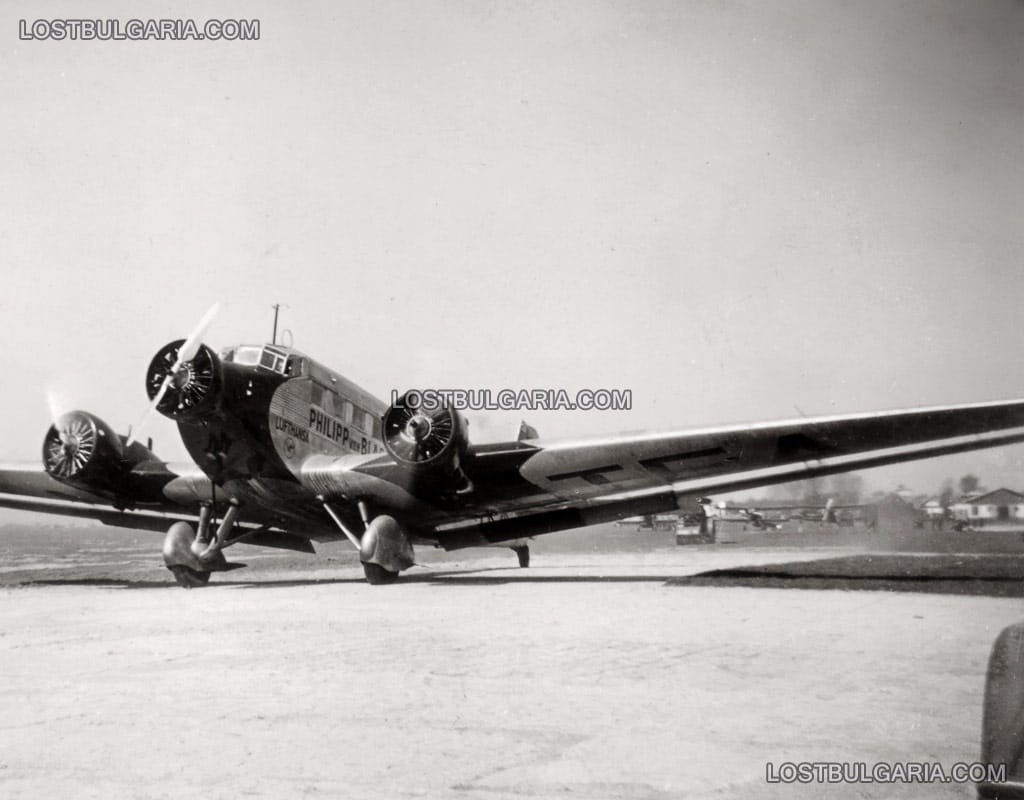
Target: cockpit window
x: 273, y: 360
x: 248, y: 356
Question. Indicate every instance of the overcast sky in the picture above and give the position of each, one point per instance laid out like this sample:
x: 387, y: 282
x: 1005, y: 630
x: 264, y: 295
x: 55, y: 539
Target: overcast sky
x: 740, y: 211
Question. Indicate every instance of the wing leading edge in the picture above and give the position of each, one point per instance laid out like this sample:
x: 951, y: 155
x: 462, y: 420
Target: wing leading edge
x: 584, y: 482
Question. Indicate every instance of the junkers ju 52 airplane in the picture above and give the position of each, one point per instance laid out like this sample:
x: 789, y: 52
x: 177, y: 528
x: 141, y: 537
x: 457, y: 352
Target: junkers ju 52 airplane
x: 288, y: 452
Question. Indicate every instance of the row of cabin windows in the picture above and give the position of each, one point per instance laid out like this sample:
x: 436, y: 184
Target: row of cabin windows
x: 296, y: 366
x: 349, y: 413
x: 364, y: 420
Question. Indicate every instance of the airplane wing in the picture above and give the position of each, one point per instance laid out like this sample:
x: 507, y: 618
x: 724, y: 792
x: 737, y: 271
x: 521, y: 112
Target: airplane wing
x: 29, y: 487
x: 535, y: 486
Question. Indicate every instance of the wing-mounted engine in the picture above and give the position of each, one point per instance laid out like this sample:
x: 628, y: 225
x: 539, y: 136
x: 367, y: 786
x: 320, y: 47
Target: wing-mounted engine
x: 184, y: 390
x: 80, y: 449
x: 428, y: 441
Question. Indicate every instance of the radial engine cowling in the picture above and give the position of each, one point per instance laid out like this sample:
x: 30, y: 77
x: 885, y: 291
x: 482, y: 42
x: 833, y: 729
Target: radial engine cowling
x: 428, y: 438
x: 192, y: 389
x: 80, y: 448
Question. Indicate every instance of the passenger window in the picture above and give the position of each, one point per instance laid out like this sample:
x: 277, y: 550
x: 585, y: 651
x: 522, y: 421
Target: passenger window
x: 348, y: 411
x: 327, y: 400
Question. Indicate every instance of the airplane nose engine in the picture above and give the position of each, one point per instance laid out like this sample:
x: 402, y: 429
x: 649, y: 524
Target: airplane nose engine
x: 81, y: 448
x: 429, y: 440
x: 192, y: 389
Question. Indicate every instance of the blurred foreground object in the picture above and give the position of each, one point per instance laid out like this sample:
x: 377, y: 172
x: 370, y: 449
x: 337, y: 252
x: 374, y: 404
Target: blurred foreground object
x: 1002, y: 727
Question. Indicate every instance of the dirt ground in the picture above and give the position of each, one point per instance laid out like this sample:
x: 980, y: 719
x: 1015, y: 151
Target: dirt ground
x: 591, y: 674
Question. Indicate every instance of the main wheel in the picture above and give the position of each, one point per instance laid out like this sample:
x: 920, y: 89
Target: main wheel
x: 376, y: 575
x: 188, y: 577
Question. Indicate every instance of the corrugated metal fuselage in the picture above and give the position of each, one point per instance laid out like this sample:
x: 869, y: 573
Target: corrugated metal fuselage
x: 267, y: 422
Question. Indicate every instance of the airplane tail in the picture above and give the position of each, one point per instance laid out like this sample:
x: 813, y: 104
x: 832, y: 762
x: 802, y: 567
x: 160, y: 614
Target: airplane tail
x: 526, y: 432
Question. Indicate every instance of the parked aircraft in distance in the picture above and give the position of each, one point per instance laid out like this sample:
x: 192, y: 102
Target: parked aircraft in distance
x: 287, y: 452
x: 772, y: 515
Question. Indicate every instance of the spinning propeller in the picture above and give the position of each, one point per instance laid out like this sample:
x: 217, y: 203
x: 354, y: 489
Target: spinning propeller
x: 69, y: 444
x: 184, y: 366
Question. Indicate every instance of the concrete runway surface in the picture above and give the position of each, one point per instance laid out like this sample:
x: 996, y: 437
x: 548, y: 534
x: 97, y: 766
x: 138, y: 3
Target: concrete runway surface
x: 588, y: 675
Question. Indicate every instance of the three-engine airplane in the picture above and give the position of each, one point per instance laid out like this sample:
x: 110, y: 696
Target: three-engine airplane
x: 288, y: 452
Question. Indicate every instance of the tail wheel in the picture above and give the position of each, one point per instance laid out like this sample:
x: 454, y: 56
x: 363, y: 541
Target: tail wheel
x: 376, y: 575
x: 188, y: 577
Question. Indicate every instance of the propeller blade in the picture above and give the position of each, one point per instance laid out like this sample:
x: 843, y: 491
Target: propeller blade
x: 191, y: 345
x: 186, y: 353
x: 56, y: 407
x: 133, y: 435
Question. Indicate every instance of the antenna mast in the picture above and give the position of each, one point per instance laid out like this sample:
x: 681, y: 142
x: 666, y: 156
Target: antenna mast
x: 277, y: 308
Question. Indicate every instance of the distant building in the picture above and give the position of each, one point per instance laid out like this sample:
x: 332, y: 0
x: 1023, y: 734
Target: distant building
x: 894, y: 514
x: 995, y: 507
x: 933, y: 509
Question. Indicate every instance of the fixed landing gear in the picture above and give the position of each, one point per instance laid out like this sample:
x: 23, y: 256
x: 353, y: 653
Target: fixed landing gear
x: 189, y: 578
x: 192, y: 556
x: 523, y: 554
x: 376, y: 575
x: 385, y: 548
